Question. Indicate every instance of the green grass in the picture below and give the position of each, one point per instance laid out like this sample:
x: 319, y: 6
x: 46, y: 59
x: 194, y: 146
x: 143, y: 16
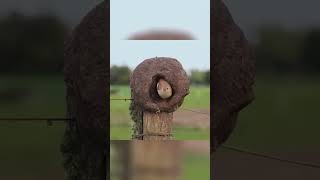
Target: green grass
x: 124, y: 132
x: 188, y: 133
x: 284, y: 115
x: 196, y: 166
x: 31, y: 150
x: 198, y: 98
x: 120, y: 132
x: 43, y: 96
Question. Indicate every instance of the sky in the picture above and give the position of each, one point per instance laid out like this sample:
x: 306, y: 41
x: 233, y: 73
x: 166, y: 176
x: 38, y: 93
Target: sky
x: 128, y: 17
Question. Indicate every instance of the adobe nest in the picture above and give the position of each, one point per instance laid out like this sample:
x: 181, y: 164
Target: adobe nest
x: 144, y: 81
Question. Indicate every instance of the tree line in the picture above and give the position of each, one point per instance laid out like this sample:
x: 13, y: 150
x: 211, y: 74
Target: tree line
x: 120, y: 75
x: 31, y: 44
x: 282, y: 50
x: 34, y: 44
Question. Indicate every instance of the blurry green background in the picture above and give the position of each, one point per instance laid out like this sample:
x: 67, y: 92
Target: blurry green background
x: 283, y: 117
x: 283, y: 120
x: 285, y: 114
x: 32, y: 86
x: 196, y: 166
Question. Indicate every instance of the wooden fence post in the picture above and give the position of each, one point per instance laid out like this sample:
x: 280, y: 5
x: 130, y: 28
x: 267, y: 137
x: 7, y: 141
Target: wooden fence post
x: 157, y: 126
x: 153, y: 114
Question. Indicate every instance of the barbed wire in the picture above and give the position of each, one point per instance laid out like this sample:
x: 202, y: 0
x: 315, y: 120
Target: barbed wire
x: 118, y: 99
x: 34, y: 119
x: 231, y: 148
x: 206, y: 114
x: 191, y: 110
x: 48, y: 120
x: 266, y: 156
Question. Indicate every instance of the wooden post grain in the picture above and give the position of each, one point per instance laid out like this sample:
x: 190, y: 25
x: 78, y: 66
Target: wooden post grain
x: 157, y: 126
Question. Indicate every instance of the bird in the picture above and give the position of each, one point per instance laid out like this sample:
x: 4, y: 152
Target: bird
x: 164, y: 89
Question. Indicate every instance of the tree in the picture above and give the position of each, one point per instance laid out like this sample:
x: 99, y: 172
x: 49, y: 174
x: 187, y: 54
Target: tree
x: 200, y: 77
x: 120, y: 75
x: 31, y: 44
x: 310, y: 56
x: 278, y: 49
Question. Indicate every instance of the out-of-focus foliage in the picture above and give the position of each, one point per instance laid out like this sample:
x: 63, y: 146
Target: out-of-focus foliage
x: 35, y: 44
x: 310, y: 52
x: 284, y: 50
x: 200, y: 77
x: 31, y: 43
x: 120, y: 75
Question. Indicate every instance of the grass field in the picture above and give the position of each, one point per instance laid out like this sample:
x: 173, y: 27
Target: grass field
x: 32, y: 96
x: 124, y: 132
x: 285, y: 115
x: 31, y: 150
x: 121, y: 125
x: 196, y: 166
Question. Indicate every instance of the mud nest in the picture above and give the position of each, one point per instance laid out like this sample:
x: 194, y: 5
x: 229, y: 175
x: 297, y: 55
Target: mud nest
x: 233, y: 73
x: 86, y: 74
x: 155, y: 34
x: 144, y: 81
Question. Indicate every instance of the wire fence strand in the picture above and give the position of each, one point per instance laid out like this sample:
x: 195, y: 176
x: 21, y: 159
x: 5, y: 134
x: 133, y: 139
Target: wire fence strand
x: 66, y: 119
x: 119, y: 99
x: 35, y: 119
x: 202, y: 113
x: 231, y: 148
x: 185, y: 109
x: 48, y: 120
x: 266, y: 156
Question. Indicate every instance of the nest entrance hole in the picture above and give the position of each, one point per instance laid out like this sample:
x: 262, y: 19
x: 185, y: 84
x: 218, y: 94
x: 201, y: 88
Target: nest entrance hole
x: 153, y: 88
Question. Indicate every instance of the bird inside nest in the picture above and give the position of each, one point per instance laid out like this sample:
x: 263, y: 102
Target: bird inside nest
x: 164, y: 89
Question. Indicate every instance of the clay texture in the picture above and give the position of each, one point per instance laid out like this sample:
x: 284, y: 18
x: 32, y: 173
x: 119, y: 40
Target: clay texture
x: 144, y: 80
